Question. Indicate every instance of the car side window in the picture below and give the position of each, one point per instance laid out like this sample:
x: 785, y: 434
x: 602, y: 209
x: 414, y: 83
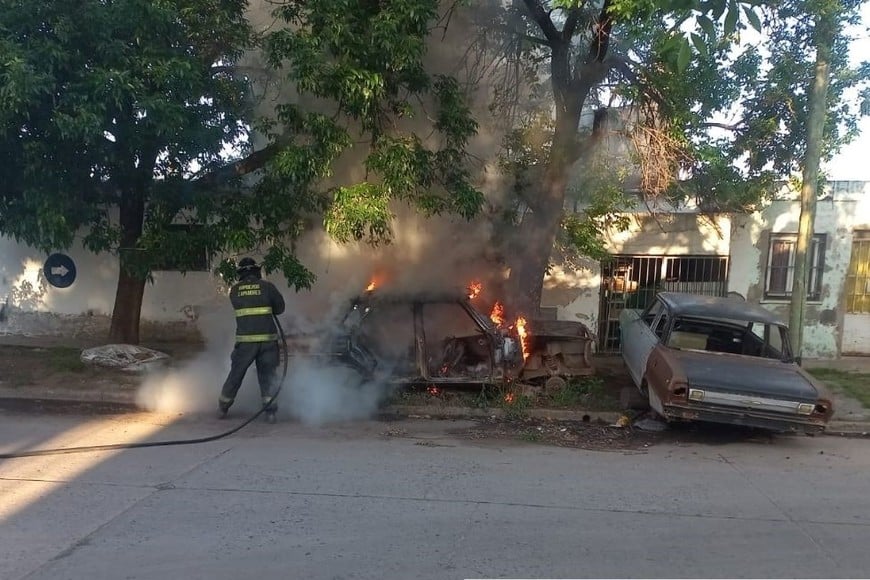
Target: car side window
x: 652, y: 313
x: 660, y: 324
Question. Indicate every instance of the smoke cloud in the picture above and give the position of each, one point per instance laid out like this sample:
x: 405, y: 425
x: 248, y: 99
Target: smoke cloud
x: 427, y: 255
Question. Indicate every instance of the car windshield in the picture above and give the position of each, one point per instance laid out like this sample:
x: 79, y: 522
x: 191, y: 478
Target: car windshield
x: 755, y: 339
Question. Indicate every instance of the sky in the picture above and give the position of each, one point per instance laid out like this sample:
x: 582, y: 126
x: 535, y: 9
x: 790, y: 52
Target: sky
x: 853, y: 161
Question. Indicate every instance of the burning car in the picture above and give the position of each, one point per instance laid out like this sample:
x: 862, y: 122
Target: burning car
x: 443, y: 338
x: 720, y: 360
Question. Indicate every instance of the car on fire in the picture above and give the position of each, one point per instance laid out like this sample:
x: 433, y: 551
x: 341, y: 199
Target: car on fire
x: 444, y: 339
x: 721, y: 360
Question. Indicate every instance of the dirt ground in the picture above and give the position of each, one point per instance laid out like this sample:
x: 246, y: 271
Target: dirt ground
x: 51, y: 367
x: 54, y: 366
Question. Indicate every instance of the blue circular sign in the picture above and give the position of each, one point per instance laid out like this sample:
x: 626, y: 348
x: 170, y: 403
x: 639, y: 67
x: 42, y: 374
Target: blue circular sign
x: 60, y: 270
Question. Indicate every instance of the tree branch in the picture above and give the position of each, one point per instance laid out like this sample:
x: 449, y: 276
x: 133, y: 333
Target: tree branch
x: 253, y: 162
x: 622, y: 65
x: 543, y: 20
x: 601, y: 31
x: 571, y: 24
x: 726, y: 126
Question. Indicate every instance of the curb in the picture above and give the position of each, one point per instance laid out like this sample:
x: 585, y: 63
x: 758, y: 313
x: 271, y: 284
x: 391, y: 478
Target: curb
x: 77, y: 396
x: 436, y: 411
x: 127, y: 400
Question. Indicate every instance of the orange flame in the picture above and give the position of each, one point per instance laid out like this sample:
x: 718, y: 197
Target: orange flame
x: 474, y: 290
x: 372, y: 285
x: 524, y: 336
x: 433, y: 390
x: 497, y: 314
x: 509, y: 398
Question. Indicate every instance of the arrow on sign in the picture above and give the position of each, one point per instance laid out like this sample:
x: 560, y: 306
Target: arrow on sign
x: 59, y: 271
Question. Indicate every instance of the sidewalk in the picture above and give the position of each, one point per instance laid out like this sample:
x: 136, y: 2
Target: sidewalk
x: 125, y: 399
x: 120, y: 392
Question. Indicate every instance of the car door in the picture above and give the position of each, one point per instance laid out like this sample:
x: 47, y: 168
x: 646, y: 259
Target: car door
x: 639, y: 338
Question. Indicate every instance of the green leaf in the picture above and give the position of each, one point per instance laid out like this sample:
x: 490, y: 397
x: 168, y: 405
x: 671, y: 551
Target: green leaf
x: 700, y: 45
x: 684, y: 56
x: 707, y: 25
x: 731, y: 19
x: 753, y: 18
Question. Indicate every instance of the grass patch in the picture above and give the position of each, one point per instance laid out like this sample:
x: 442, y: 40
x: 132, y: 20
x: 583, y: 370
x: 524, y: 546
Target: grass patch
x: 530, y: 436
x: 65, y: 360
x: 856, y: 385
x: 587, y: 392
x: 514, y: 404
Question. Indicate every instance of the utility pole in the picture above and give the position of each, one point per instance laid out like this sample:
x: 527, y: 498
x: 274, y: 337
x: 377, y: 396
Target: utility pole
x: 823, y: 38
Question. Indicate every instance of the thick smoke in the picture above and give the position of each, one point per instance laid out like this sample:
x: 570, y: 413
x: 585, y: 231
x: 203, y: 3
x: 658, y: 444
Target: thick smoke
x: 435, y: 255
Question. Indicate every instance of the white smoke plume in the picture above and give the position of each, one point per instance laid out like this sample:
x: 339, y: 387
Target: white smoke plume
x: 441, y: 254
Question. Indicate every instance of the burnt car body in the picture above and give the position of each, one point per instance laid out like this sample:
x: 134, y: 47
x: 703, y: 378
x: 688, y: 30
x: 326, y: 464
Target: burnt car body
x: 720, y: 360
x: 444, y: 339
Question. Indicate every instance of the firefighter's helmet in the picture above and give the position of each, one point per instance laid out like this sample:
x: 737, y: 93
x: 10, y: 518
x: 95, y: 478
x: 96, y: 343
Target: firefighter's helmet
x: 247, y: 266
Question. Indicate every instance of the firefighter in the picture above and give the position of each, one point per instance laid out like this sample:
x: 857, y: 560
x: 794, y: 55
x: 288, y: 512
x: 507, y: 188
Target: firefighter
x: 255, y: 301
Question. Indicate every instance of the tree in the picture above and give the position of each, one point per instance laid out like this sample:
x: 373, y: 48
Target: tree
x: 586, y: 57
x: 128, y: 106
x: 829, y: 22
x: 104, y: 108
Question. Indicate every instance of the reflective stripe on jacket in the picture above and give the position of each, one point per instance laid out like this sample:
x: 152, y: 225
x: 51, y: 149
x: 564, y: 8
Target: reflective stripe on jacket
x: 256, y: 302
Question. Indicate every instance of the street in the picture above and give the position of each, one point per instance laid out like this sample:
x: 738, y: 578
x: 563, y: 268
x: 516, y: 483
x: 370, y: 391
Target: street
x: 414, y: 499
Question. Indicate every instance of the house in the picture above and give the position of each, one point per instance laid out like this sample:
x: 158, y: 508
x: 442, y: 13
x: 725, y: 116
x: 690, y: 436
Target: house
x: 750, y: 255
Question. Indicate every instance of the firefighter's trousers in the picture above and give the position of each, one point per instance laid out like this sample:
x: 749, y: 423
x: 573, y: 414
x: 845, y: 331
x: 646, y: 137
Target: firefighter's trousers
x: 265, y: 355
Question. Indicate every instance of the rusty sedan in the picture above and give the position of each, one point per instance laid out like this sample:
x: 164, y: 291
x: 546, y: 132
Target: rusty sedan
x: 720, y: 360
x: 444, y: 339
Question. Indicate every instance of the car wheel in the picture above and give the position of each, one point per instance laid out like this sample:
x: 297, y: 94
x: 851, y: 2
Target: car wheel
x: 555, y: 385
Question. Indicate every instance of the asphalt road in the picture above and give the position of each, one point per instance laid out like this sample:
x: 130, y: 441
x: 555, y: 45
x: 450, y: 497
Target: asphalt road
x: 412, y: 500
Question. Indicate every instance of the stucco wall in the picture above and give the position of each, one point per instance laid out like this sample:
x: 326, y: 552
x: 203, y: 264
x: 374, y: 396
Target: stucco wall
x: 171, y: 304
x: 574, y: 292
x: 845, y: 209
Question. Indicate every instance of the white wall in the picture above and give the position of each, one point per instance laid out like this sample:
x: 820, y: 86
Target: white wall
x: 841, y: 212
x: 169, y: 299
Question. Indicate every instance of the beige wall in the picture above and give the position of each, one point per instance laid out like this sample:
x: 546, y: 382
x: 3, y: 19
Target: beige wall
x: 575, y: 292
x: 837, y: 216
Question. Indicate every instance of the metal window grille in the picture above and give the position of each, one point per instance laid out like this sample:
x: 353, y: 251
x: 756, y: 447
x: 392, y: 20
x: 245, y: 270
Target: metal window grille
x: 634, y: 281
x: 779, y: 278
x: 858, y: 275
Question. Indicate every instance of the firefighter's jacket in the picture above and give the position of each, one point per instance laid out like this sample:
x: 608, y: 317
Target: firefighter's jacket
x: 255, y: 302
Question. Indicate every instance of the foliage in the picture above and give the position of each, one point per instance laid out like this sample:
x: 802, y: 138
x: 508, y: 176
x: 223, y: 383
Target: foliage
x: 589, y: 393
x: 773, y: 132
x: 112, y: 100
x: 676, y: 68
x: 360, y: 72
x: 662, y: 69
x: 116, y: 119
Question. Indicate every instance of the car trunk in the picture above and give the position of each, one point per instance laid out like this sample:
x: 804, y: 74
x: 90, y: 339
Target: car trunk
x: 745, y: 375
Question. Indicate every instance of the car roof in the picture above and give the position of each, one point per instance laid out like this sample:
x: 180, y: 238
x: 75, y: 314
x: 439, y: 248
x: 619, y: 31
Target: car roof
x: 718, y: 307
x: 404, y: 296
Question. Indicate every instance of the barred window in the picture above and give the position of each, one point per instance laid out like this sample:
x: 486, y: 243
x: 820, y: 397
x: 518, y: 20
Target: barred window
x: 779, y: 280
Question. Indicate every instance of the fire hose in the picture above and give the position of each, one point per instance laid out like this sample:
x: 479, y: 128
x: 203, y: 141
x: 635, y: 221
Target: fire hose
x: 170, y: 442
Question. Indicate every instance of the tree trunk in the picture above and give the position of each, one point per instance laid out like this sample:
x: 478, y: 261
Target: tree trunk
x: 540, y: 226
x: 128, y: 307
x: 528, y: 264
x: 815, y: 134
x: 131, y: 284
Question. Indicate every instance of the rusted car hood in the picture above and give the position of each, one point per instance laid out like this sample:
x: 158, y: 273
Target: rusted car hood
x: 745, y: 375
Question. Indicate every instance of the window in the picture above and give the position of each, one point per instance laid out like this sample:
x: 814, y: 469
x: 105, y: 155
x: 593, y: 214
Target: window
x: 652, y: 311
x: 780, y: 266
x: 858, y: 275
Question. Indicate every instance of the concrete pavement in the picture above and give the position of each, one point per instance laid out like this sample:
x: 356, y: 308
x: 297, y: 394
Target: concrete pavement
x: 356, y: 501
